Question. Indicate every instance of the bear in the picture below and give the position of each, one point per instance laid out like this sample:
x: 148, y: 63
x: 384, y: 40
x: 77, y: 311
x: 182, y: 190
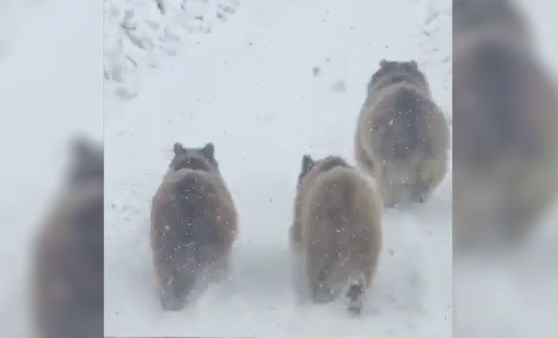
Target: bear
x: 193, y: 226
x: 337, y: 229
x: 68, y: 253
x: 402, y: 136
x: 505, y: 141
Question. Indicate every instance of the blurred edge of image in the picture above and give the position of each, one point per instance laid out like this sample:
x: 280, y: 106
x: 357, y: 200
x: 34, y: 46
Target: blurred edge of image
x: 505, y: 167
x: 51, y: 128
x: 505, y: 151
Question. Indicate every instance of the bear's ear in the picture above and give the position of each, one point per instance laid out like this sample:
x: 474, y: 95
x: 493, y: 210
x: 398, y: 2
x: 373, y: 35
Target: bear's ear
x: 307, y: 163
x: 178, y: 148
x: 383, y: 63
x: 413, y: 65
x: 208, y: 151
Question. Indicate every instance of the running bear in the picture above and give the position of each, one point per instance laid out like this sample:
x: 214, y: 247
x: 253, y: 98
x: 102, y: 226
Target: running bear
x: 193, y: 225
x: 337, y: 229
x: 402, y: 137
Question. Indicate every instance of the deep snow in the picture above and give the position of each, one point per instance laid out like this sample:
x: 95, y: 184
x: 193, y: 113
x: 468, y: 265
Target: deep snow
x: 249, y: 87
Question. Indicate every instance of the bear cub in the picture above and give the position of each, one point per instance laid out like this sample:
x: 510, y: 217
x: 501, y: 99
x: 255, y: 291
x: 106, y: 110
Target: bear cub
x: 402, y: 137
x: 337, y: 229
x: 193, y: 226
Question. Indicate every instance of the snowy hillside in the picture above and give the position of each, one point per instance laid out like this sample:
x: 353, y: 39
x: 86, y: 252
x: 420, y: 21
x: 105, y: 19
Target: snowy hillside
x: 141, y: 34
x: 277, y: 80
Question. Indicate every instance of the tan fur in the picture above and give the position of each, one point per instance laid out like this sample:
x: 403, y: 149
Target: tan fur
x: 193, y: 226
x: 337, y: 228
x: 402, y: 137
x: 505, y: 139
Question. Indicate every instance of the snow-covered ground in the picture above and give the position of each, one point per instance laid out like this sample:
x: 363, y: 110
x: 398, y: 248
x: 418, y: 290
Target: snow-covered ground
x: 249, y: 87
x: 141, y: 33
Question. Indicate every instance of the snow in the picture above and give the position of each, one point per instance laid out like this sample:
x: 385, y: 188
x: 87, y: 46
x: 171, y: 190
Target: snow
x: 251, y: 88
x: 141, y: 33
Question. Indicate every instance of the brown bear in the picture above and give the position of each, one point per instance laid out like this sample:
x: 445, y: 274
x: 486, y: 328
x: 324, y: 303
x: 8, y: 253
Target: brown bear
x: 337, y: 228
x: 505, y: 140
x: 68, y: 261
x: 193, y: 225
x: 402, y: 137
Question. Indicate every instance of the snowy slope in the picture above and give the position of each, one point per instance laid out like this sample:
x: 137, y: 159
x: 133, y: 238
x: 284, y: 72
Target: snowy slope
x: 141, y: 33
x: 249, y: 87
